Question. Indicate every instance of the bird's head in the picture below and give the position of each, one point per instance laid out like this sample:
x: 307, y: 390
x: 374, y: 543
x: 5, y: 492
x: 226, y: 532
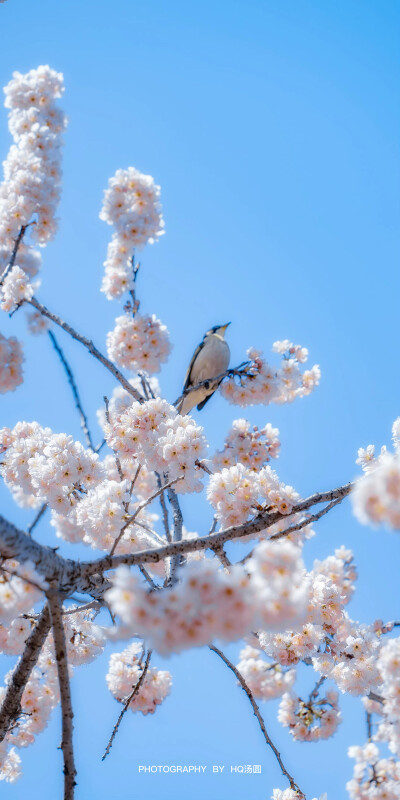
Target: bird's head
x: 218, y: 329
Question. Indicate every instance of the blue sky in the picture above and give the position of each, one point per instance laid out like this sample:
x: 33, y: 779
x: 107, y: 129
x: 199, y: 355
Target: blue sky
x: 272, y: 128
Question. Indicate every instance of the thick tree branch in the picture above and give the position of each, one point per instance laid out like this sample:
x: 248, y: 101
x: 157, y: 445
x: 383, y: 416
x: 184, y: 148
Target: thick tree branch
x: 89, y: 346
x: 88, y: 576
x: 11, y: 705
x: 72, y: 383
x: 261, y: 722
x: 60, y: 647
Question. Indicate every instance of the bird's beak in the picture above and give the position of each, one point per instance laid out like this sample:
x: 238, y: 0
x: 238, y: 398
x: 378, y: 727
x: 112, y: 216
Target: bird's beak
x: 224, y: 327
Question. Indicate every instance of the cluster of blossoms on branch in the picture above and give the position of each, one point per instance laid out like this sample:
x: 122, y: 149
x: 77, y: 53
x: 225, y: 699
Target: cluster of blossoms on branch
x: 312, y: 720
x: 124, y: 672
x: 132, y: 206
x: 11, y: 360
x: 237, y: 492
x: 29, y: 193
x: 374, y: 778
x: 210, y: 603
x: 248, y: 445
x: 376, y: 497
x: 165, y: 442
x: 264, y: 384
x: 139, y: 343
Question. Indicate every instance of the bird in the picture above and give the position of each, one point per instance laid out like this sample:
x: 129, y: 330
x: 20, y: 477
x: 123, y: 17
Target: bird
x: 210, y: 359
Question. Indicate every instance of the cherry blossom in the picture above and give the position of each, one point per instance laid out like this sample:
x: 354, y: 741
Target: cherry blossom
x: 123, y: 674
x: 11, y: 359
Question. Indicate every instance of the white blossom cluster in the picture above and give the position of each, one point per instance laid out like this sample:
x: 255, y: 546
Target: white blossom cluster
x: 11, y: 360
x: 20, y: 588
x: 84, y: 639
x: 40, y: 696
x: 97, y: 519
x: 210, y: 603
x: 389, y: 667
x: 376, y: 496
x: 39, y: 465
x: 158, y: 437
x: 340, y: 648
x: 237, y: 492
x: 263, y: 384
x: 123, y: 674
x: 310, y: 721
x: 374, y: 778
x: 139, y: 342
x: 120, y: 399
x: 15, y: 289
x: 32, y: 174
x: 250, y: 446
x: 265, y: 680
x: 132, y: 205
x: 351, y: 660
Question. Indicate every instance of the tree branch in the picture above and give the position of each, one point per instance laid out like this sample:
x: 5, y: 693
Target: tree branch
x: 140, y: 508
x: 308, y: 521
x: 177, y: 537
x: 15, y: 251
x: 261, y: 722
x: 11, y: 704
x: 72, y: 383
x: 127, y: 703
x: 87, y: 576
x: 38, y: 517
x: 89, y: 346
x: 60, y: 647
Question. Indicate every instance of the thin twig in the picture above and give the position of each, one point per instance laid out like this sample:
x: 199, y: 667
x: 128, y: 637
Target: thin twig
x: 39, y: 515
x: 314, y: 693
x: 220, y: 553
x: 100, y: 446
x: 164, y: 510
x: 257, y: 714
x: 89, y: 346
x: 11, y: 704
x: 127, y: 703
x: 369, y: 725
x: 134, y: 479
x: 307, y: 521
x: 116, y: 456
x: 148, y: 577
x: 139, y: 509
x: 72, y: 383
x: 15, y: 251
x: 65, y: 694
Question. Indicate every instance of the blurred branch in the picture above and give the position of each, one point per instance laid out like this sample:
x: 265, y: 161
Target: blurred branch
x: 72, y: 383
x: 261, y: 722
x: 89, y: 346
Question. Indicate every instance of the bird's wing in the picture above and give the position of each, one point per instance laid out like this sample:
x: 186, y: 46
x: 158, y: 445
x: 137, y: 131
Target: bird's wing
x: 188, y: 381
